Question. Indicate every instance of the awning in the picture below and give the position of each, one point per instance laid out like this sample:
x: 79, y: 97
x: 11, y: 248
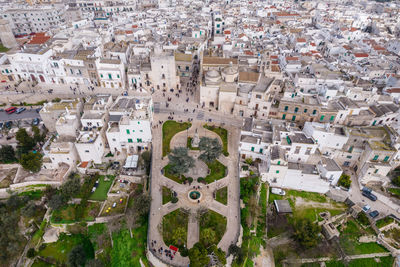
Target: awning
x: 131, y: 162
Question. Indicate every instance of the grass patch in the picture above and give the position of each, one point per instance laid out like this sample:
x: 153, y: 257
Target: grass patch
x: 189, y: 144
x: 368, y: 262
x: 262, y: 217
x: 36, y: 194
x: 172, y: 176
x: 68, y: 213
x: 394, y: 192
x: 349, y: 240
x: 3, y: 48
x: 39, y: 233
x: 166, y: 195
x: 217, y: 171
x: 170, y: 128
x: 57, y: 252
x: 174, y: 228
x: 105, y: 183
x: 212, y: 227
x: 127, y: 251
x: 222, y: 195
x: 384, y: 221
x: 223, y: 133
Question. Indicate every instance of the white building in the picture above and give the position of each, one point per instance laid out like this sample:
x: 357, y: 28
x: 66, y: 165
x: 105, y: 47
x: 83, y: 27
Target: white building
x: 130, y: 124
x: 111, y: 73
x: 90, y: 146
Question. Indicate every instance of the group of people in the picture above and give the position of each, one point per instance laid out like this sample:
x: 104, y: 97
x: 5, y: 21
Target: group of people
x: 167, y: 252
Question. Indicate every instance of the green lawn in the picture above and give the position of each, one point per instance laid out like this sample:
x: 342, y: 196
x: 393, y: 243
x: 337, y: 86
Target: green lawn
x: 223, y: 133
x: 217, y: 171
x: 3, y: 48
x: 36, y: 194
x: 39, y: 233
x: 395, y: 192
x: 174, y: 228
x: 170, y: 128
x: 58, y: 251
x: 222, y: 195
x: 349, y: 240
x: 368, y: 262
x: 384, y: 221
x: 172, y: 176
x: 68, y: 213
x: 101, y: 192
x: 166, y: 195
x: 127, y: 251
x: 212, y: 227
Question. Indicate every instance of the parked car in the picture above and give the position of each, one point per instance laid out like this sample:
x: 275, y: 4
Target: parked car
x: 38, y: 110
x: 369, y: 195
x: 8, y: 124
x: 20, y: 110
x: 114, y: 204
x: 374, y: 214
x: 1, y: 125
x: 278, y: 191
x: 35, y: 121
x: 366, y: 208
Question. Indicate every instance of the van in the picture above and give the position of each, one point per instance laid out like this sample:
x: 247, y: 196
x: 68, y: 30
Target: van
x: 278, y: 191
x: 369, y: 195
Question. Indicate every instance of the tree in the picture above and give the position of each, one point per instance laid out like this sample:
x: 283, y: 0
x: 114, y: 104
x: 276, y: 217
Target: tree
x: 211, y: 148
x: 31, y: 161
x: 208, y: 236
x: 344, y: 181
x: 31, y: 253
x: 57, y: 201
x: 142, y: 205
x: 306, y: 233
x: 198, y: 256
x: 179, y: 236
x: 77, y: 257
x: 7, y: 154
x: 25, y: 141
x: 396, y: 181
x: 71, y: 187
x: 146, y: 158
x: 180, y: 161
x: 362, y: 218
x: 37, y: 136
x: 219, y: 253
x: 30, y: 209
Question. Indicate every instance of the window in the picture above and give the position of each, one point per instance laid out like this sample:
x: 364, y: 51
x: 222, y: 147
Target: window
x: 351, y: 149
x: 141, y: 131
x: 127, y: 131
x: 286, y: 108
x: 261, y: 150
x: 187, y: 68
x: 308, y: 151
x: 349, y: 157
x: 277, y: 171
x: 258, y: 96
x: 305, y: 110
x: 386, y: 158
x: 101, y: 75
x: 87, y: 151
x: 314, y: 112
x: 296, y: 109
x: 332, y: 118
x: 322, y: 118
x: 110, y: 76
x: 117, y: 75
x: 138, y: 122
x: 376, y: 157
x: 139, y: 140
x: 293, y: 118
x: 297, y: 151
x: 283, y: 116
x: 346, y: 163
x: 130, y: 140
x: 279, y: 162
x: 376, y: 171
x: 252, y: 148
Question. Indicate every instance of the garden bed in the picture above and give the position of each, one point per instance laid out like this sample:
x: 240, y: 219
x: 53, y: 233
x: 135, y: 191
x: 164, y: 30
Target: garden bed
x: 169, y: 129
x: 223, y: 133
x: 217, y: 171
x: 68, y: 213
x: 166, y: 195
x: 222, y: 195
x: 174, y: 228
x: 212, y: 228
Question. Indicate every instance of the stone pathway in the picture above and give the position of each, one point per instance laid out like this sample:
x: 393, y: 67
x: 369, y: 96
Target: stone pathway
x: 193, y: 229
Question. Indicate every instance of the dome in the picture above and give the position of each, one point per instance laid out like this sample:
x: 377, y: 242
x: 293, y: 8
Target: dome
x: 213, y: 76
x: 230, y: 73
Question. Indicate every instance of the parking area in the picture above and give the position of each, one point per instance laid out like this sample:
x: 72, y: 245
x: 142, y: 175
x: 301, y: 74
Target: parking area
x: 28, y: 114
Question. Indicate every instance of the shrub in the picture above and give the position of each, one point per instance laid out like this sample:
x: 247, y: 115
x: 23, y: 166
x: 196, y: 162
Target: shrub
x: 31, y: 253
x: 344, y: 181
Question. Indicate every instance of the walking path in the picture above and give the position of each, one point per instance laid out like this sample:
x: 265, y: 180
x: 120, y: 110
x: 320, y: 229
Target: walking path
x: 157, y: 210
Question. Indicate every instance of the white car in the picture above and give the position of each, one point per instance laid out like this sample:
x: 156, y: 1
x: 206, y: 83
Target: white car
x: 366, y: 208
x: 278, y: 191
x: 114, y: 204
